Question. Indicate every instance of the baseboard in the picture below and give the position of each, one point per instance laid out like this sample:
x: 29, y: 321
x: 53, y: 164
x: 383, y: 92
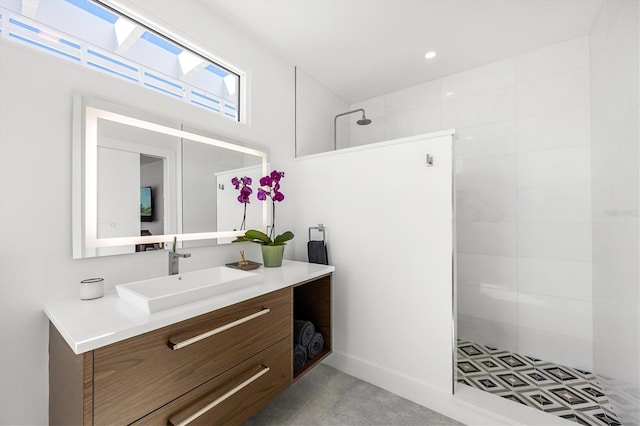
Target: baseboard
x: 468, y: 406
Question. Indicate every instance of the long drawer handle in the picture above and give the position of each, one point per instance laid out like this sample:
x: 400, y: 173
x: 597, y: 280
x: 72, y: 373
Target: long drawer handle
x: 179, y: 345
x: 223, y: 398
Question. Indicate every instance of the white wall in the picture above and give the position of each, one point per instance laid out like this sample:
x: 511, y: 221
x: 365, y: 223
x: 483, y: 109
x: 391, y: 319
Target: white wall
x: 615, y: 167
x: 35, y: 184
x: 316, y: 107
x: 389, y: 232
x: 523, y: 194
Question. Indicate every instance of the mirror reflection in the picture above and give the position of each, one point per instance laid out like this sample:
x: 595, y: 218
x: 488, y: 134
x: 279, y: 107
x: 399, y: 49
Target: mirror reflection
x: 138, y: 183
x: 209, y: 199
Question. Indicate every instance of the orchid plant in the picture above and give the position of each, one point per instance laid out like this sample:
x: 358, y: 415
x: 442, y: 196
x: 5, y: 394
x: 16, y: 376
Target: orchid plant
x: 269, y: 190
x: 243, y: 184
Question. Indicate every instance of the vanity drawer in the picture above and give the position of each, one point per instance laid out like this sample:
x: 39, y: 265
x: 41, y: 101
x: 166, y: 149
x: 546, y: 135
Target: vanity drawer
x: 233, y: 396
x: 140, y: 374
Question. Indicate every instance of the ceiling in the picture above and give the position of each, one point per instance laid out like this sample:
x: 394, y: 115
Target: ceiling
x: 364, y: 48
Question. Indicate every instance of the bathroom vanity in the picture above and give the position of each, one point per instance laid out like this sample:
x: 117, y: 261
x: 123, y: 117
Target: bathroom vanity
x: 214, y: 361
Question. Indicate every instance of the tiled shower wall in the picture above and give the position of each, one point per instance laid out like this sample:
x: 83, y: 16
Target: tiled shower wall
x: 523, y: 176
x: 523, y: 162
x: 614, y: 125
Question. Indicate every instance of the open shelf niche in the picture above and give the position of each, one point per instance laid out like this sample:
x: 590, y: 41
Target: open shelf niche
x: 312, y: 302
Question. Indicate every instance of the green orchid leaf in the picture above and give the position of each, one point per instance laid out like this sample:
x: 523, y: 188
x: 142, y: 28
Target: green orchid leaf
x: 282, y: 238
x: 257, y: 236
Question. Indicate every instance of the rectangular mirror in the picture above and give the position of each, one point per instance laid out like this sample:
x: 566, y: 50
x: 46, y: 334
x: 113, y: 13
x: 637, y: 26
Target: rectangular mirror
x: 139, y: 181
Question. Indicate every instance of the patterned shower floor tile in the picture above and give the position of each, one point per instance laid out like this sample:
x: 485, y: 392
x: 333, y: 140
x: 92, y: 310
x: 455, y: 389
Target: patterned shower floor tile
x: 557, y: 389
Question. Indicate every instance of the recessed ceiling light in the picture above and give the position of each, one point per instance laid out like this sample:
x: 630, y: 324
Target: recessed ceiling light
x: 430, y: 55
x: 448, y: 94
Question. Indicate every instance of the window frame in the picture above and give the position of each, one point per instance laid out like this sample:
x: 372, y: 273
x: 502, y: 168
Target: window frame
x: 233, y: 108
x: 140, y: 18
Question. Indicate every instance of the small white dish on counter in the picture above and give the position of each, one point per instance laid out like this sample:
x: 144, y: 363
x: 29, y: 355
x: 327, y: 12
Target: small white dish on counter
x: 156, y: 294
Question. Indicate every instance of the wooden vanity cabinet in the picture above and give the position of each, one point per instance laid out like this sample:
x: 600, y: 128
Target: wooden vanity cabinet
x: 140, y: 374
x: 227, y: 376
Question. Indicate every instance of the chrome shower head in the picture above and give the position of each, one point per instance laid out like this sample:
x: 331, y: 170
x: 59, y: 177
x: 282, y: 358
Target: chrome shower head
x: 362, y: 122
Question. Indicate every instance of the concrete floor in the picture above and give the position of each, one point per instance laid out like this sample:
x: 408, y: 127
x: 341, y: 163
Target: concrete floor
x: 326, y: 396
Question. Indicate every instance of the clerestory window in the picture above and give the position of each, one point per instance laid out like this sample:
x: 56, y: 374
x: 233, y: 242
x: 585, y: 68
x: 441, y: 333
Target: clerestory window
x: 98, y: 37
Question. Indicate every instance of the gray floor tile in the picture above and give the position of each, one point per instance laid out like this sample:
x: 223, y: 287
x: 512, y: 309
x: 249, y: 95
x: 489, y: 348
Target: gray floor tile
x: 326, y: 396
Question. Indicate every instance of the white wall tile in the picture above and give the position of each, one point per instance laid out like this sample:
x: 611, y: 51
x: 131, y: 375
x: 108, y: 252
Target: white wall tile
x: 566, y: 241
x: 478, y: 270
x: 314, y: 118
x: 617, y: 143
x: 549, y: 131
x: 555, y: 204
x: 614, y: 61
x: 623, y: 318
x: 569, y: 90
x: 555, y: 278
x: 480, y: 108
x: 557, y: 348
x: 412, y: 122
x: 310, y: 143
x: 615, y: 283
x: 486, y: 205
x: 566, y: 166
x: 486, y: 172
x: 617, y: 241
x: 497, y: 239
x: 371, y: 133
x: 485, y: 140
x: 414, y: 97
x: 482, y: 79
x: 489, y: 333
x: 559, y: 129
x: 310, y: 89
x: 556, y: 59
x: 373, y: 107
x: 615, y: 96
x: 488, y: 303
x: 567, y: 317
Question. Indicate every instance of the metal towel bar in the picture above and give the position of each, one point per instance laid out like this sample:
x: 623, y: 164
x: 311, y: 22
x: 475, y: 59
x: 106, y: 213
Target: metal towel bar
x: 320, y: 228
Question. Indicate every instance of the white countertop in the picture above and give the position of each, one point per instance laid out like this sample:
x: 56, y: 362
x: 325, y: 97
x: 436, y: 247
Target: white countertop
x: 90, y: 324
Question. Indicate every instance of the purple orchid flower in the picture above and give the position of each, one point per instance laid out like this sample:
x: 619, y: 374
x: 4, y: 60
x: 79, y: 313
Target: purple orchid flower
x: 243, y: 184
x: 271, y: 189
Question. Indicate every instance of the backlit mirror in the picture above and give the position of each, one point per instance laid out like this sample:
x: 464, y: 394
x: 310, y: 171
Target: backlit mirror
x: 138, y: 182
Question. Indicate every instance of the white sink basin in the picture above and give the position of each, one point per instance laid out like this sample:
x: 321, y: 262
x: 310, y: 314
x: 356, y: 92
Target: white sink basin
x: 161, y: 293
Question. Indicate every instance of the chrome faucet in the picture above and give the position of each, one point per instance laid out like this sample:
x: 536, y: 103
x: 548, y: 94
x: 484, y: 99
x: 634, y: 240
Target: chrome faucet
x: 174, y: 259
